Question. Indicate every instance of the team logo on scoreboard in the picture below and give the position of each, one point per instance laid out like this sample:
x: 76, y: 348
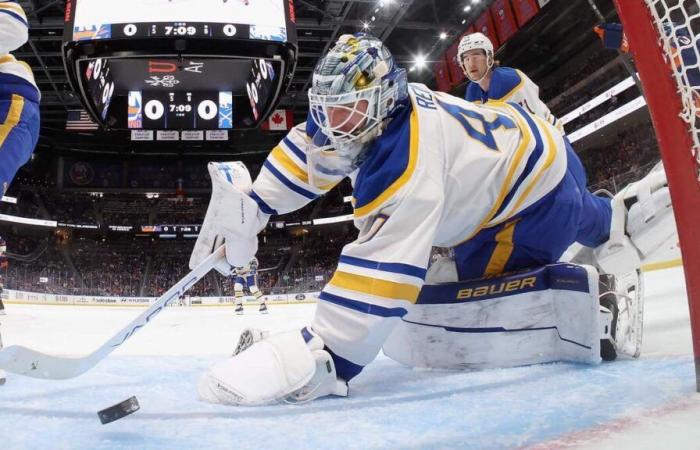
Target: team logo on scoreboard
x: 92, y: 32
x: 268, y: 33
x: 167, y: 81
x: 135, y: 119
x: 225, y: 110
x: 172, y: 67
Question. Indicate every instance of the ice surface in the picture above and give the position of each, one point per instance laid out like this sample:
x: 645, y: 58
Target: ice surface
x: 647, y: 403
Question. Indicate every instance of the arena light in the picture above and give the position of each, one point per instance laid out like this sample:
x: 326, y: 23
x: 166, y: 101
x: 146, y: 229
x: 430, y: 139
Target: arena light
x: 443, y: 36
x: 365, y: 25
x: 419, y: 61
x: 7, y: 199
x: 467, y: 8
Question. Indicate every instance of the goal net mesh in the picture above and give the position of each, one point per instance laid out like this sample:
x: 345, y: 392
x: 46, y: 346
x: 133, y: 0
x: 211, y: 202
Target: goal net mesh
x: 677, y: 23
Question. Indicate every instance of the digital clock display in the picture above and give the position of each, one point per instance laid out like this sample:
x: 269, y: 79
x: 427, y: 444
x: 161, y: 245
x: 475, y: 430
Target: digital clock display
x: 124, y: 19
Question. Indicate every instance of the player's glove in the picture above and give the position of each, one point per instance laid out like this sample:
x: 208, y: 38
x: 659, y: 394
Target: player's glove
x: 232, y: 217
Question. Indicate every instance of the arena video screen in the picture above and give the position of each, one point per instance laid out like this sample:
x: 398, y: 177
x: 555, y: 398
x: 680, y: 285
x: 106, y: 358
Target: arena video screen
x: 124, y: 19
x: 180, y: 93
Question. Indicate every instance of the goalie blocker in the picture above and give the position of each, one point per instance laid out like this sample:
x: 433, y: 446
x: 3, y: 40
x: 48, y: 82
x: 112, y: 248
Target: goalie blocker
x: 549, y: 314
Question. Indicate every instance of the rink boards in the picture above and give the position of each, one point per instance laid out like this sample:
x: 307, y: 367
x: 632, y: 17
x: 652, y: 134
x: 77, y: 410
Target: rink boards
x: 35, y: 298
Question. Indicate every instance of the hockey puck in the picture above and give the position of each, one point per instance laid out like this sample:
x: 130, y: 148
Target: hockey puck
x: 116, y: 412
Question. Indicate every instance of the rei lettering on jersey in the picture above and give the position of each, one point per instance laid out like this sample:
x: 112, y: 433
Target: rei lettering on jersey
x: 424, y: 99
x: 497, y: 288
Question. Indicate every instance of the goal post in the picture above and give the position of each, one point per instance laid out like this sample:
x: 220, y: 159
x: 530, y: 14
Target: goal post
x: 663, y: 38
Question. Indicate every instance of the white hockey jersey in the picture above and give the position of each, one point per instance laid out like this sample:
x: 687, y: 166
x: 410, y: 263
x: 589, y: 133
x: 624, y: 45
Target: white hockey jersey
x: 512, y: 85
x: 14, y: 32
x: 443, y: 170
x: 249, y: 269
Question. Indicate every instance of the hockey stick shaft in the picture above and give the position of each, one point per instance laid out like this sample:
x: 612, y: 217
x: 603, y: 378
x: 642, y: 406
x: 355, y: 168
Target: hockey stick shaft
x: 25, y: 361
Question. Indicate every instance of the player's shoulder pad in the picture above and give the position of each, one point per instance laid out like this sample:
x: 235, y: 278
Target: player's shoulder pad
x: 388, y: 161
x: 505, y: 82
x: 474, y: 93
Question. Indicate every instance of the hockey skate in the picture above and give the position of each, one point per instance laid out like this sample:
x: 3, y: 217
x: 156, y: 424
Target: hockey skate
x: 622, y: 313
x: 263, y: 308
x: 239, y: 309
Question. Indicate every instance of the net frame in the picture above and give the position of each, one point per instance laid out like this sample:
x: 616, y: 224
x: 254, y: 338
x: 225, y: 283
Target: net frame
x: 670, y: 94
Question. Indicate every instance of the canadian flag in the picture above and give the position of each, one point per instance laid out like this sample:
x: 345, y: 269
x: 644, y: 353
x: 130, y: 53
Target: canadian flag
x: 279, y: 120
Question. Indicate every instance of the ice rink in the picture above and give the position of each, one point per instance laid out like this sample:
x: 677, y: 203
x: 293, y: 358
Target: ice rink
x: 639, y: 404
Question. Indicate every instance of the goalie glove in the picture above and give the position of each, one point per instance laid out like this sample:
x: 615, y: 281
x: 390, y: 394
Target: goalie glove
x: 233, y: 218
x: 290, y: 366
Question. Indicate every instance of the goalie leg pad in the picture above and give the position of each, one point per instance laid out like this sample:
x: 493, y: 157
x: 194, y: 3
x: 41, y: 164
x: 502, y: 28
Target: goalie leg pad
x: 544, y: 315
x: 266, y: 372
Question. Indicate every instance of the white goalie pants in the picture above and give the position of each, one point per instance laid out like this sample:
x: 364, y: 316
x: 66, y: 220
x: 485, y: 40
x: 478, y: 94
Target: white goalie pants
x: 543, y: 315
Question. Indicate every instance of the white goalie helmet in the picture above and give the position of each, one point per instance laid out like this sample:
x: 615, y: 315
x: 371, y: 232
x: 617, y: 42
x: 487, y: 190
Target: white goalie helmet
x: 356, y: 87
x: 475, y: 41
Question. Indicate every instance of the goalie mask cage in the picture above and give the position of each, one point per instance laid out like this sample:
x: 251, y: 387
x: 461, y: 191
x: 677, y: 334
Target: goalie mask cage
x: 664, y: 40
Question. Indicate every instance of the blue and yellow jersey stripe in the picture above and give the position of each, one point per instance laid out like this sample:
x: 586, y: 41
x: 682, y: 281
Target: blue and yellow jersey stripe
x: 14, y: 10
x: 283, y: 184
x: 372, y: 287
x: 531, y: 160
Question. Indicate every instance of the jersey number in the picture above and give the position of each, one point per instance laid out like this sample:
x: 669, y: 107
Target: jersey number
x: 486, y: 137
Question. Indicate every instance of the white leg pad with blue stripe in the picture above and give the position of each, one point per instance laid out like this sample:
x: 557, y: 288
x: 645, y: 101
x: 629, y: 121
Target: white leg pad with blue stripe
x: 538, y: 316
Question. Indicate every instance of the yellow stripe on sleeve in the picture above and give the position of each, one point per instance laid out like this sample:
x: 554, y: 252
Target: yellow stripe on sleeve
x: 292, y: 167
x: 13, y: 116
x: 279, y: 154
x: 403, y: 179
x: 374, y: 286
x: 15, y: 8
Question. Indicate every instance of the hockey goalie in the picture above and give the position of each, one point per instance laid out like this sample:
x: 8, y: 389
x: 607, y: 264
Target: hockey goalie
x: 501, y: 187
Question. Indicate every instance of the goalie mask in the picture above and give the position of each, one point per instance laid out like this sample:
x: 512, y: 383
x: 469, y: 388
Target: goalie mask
x: 356, y: 87
x: 475, y: 41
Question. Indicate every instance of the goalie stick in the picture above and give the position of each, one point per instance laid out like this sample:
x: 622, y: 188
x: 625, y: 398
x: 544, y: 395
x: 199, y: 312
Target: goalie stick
x: 25, y: 361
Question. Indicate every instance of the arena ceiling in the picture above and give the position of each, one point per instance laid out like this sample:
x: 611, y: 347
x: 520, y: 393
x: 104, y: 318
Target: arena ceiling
x: 408, y: 27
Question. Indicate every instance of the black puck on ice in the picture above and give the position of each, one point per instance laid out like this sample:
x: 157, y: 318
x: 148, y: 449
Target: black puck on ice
x: 116, y: 412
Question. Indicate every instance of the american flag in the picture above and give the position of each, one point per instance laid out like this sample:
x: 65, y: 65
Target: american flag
x: 79, y: 120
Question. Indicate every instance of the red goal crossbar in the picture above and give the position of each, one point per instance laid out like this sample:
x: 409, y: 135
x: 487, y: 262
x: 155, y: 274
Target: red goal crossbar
x: 676, y: 143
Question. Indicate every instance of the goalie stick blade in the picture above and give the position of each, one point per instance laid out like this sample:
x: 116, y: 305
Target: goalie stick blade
x: 116, y: 412
x: 31, y: 363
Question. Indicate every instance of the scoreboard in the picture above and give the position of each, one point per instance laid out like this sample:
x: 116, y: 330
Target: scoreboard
x: 133, y: 19
x: 180, y: 64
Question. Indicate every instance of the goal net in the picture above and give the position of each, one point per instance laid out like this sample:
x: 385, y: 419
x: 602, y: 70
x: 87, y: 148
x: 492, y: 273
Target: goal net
x: 664, y: 38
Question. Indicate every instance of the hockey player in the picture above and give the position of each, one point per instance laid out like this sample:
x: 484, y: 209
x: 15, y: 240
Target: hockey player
x: 490, y: 82
x: 19, y: 96
x: 2, y: 305
x: 3, y: 266
x: 247, y: 277
x: 491, y: 181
